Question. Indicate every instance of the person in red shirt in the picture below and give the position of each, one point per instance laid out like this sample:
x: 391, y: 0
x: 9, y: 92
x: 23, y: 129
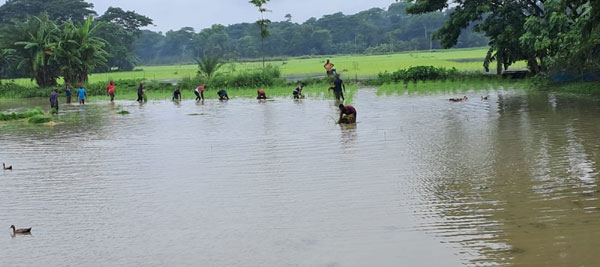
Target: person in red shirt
x: 261, y: 94
x: 110, y: 89
x: 347, y: 114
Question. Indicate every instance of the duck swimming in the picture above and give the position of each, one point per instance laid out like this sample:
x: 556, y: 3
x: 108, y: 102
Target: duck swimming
x: 20, y: 231
x: 465, y: 98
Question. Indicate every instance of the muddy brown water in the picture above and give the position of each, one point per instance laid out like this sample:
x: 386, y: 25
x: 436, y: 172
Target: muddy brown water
x: 419, y: 181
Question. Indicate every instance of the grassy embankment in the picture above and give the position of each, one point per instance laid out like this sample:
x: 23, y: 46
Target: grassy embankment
x: 350, y: 66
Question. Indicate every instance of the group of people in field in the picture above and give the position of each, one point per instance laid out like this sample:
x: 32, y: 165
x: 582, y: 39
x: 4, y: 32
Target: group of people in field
x: 347, y: 112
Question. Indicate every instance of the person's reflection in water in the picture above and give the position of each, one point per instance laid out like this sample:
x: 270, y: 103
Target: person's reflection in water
x: 348, y: 135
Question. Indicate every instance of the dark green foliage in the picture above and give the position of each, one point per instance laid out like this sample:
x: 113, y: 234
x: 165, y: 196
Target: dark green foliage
x: 208, y: 66
x: 123, y: 112
x: 58, y: 10
x: 552, y: 36
x: 419, y: 73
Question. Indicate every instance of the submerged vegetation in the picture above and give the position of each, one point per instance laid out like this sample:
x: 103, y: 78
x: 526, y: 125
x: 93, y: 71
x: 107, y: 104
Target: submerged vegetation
x: 34, y: 115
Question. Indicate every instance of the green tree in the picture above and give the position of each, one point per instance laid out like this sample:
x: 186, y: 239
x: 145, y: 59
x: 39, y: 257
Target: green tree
x: 263, y: 24
x: 34, y: 41
x: 6, y: 58
x: 78, y: 51
x: 57, y: 10
x: 121, y: 31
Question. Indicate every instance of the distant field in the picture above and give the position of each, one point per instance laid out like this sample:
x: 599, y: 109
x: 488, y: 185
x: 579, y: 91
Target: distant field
x: 347, y: 65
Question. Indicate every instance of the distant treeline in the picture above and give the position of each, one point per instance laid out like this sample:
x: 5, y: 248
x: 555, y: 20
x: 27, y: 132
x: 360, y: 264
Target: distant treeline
x: 374, y: 31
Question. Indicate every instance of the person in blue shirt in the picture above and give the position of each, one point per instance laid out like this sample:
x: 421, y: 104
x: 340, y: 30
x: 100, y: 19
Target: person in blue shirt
x: 81, y: 94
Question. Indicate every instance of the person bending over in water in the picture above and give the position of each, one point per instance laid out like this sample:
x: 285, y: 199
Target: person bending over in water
x: 222, y: 95
x: 54, y: 99
x: 81, y: 94
x: 339, y: 88
x: 110, y: 90
x: 298, y: 92
x: 261, y: 94
x: 140, y: 93
x: 347, y: 114
x: 199, y: 92
x: 177, y: 95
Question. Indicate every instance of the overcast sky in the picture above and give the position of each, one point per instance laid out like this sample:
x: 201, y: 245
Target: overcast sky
x: 199, y: 14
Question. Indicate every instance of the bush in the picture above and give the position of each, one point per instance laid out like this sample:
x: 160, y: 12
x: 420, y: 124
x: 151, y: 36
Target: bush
x: 418, y: 73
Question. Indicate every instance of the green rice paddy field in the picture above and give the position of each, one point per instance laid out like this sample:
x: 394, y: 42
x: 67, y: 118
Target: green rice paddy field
x: 348, y: 65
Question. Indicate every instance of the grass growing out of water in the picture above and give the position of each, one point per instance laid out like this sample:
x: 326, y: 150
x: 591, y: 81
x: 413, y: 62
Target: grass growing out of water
x: 123, y: 112
x: 449, y: 86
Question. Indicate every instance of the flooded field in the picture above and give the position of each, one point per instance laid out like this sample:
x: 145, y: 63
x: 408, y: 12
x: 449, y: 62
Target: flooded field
x: 419, y: 181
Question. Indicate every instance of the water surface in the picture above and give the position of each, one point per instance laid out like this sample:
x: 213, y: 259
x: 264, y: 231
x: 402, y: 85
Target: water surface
x: 419, y: 181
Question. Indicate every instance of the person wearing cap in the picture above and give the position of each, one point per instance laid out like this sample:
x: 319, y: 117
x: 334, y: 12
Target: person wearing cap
x: 261, y: 94
x: 347, y: 114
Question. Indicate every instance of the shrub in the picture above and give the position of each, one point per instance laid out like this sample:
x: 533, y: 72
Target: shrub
x: 418, y: 73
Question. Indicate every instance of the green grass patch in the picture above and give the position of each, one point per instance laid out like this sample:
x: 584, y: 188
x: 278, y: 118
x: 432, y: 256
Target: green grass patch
x: 349, y: 66
x: 459, y: 86
x: 123, y: 112
x: 40, y: 118
x: 21, y: 115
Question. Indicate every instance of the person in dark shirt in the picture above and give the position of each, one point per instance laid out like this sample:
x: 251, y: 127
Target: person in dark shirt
x: 68, y: 93
x: 140, y: 93
x: 222, y: 95
x: 347, y: 114
x: 261, y: 94
x: 298, y: 92
x: 54, y: 99
x: 339, y: 88
x: 177, y: 95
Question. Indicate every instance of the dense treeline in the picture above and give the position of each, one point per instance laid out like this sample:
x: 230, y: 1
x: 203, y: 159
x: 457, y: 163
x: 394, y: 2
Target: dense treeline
x: 372, y: 31
x: 553, y: 36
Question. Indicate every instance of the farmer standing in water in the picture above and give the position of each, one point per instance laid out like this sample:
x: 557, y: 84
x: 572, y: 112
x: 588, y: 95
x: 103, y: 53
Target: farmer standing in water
x: 54, y: 99
x: 140, y: 93
x: 110, y: 89
x: 338, y: 88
